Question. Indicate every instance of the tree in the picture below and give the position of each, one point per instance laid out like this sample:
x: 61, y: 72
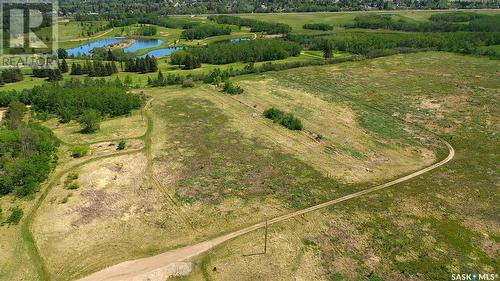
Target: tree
x: 90, y: 121
x: 62, y: 53
x: 327, y: 49
x: 15, y: 114
x: 64, y: 66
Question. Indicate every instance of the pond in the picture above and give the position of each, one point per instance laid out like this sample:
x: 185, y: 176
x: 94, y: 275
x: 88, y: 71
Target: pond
x: 139, y: 44
x: 85, y: 50
x: 162, y: 52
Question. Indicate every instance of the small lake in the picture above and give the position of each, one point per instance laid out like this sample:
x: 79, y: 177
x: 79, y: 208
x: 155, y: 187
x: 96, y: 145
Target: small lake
x: 139, y: 44
x: 162, y: 52
x: 87, y: 48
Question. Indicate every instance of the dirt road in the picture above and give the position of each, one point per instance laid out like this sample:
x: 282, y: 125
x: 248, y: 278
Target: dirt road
x: 176, y: 262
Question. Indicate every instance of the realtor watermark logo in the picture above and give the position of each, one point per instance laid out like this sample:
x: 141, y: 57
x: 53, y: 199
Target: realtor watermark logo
x: 475, y: 276
x: 28, y: 33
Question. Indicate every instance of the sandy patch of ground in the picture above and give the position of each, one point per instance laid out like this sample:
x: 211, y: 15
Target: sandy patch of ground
x: 2, y: 112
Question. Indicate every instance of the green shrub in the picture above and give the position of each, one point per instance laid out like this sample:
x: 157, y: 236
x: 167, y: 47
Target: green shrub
x: 15, y: 216
x: 287, y: 120
x: 74, y: 185
x: 232, y: 89
x: 291, y: 122
x: 90, y: 120
x: 79, y: 151
x: 121, y: 145
x: 274, y: 114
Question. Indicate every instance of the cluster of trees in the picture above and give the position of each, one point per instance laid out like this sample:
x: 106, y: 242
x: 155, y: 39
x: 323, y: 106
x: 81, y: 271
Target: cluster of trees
x: 287, y: 120
x: 50, y: 74
x: 318, y: 26
x: 373, y: 43
x: 108, y: 54
x: 95, y: 68
x: 72, y: 98
x: 480, y: 23
x: 27, y: 152
x: 255, y: 25
x: 204, y: 31
x: 11, y: 75
x: 142, y: 65
x: 246, y: 51
x: 456, y: 16
x: 232, y: 89
x: 147, y: 30
x: 185, y: 59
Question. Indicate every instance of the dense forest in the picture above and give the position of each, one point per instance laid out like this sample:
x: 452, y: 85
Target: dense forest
x: 255, y: 25
x: 375, y: 43
x: 205, y: 30
x: 70, y: 99
x: 27, y: 152
x: 245, y: 51
x: 133, y: 7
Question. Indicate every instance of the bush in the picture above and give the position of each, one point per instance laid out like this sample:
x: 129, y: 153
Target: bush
x: 90, y: 120
x: 79, y: 151
x: 73, y: 185
x: 232, y: 89
x: 287, y: 120
x: 15, y: 216
x: 121, y: 145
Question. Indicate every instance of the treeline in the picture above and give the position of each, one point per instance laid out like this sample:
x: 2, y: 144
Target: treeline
x: 11, y: 75
x: 95, y: 68
x: 217, y: 76
x: 373, y: 43
x: 50, y: 74
x: 481, y: 23
x: 255, y: 25
x: 120, y: 20
x: 69, y: 100
x: 245, y: 51
x: 204, y: 31
x: 86, y: 10
x: 456, y: 16
x: 318, y: 26
x: 142, y: 65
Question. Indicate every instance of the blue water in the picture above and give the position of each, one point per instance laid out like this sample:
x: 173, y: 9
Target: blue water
x: 162, y: 52
x: 87, y: 48
x: 140, y: 44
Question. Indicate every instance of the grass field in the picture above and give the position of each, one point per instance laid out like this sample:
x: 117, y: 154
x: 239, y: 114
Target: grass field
x: 199, y: 163
x: 438, y: 224
x: 204, y: 163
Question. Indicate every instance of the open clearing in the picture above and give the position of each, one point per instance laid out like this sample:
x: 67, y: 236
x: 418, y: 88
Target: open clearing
x: 424, y: 229
x: 212, y: 159
x: 208, y: 162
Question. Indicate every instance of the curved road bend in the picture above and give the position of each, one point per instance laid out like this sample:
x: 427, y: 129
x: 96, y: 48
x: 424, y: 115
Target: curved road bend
x: 161, y: 266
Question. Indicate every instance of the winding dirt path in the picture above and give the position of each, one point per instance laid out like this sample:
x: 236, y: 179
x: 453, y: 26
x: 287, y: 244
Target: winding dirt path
x: 161, y: 266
